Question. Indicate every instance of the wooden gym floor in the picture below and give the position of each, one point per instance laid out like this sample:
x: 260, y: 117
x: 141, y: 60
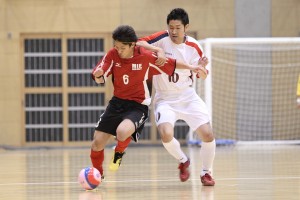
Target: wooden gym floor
x: 242, y: 172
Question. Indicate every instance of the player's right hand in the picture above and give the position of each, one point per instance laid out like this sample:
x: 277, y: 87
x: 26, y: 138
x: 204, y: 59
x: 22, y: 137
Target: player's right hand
x: 98, y: 74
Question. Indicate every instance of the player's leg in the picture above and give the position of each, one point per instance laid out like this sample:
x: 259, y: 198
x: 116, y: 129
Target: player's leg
x: 207, y: 153
x: 119, y: 152
x: 172, y: 145
x: 166, y: 131
x: 122, y: 145
x: 97, y: 149
x: 124, y: 130
x: 136, y: 116
x: 105, y: 128
x: 165, y: 120
x: 197, y: 117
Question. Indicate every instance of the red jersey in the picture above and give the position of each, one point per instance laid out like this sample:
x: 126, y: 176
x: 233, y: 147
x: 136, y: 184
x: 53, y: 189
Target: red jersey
x: 130, y: 75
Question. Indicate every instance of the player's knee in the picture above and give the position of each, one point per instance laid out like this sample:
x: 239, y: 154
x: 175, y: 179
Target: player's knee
x: 205, y: 133
x: 166, y: 137
x: 125, y: 129
x: 96, y: 144
x: 121, y: 138
x: 166, y: 132
x: 122, y: 135
x: 165, y: 128
x: 206, y: 136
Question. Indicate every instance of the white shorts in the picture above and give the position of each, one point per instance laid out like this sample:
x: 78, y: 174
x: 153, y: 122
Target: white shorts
x: 184, y: 105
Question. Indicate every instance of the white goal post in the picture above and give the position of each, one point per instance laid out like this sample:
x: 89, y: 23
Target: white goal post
x: 251, y: 89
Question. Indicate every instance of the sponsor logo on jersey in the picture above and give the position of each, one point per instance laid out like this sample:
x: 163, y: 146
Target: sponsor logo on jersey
x: 118, y: 65
x: 136, y: 66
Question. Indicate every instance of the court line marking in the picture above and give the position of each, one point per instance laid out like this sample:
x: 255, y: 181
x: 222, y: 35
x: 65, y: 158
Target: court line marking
x: 147, y: 180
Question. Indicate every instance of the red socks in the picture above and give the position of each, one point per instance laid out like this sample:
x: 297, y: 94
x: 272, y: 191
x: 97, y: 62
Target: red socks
x: 97, y: 158
x: 121, y: 146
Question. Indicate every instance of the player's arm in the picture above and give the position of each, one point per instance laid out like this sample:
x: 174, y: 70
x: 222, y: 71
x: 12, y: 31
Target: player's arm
x: 199, y: 64
x: 169, y: 66
x: 198, y: 58
x: 203, y: 61
x: 161, y: 57
x: 101, y: 70
x: 203, y: 72
x: 199, y: 69
x: 97, y: 75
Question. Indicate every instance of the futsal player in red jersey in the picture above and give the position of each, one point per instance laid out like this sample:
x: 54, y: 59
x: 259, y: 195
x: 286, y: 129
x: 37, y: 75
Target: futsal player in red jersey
x: 130, y: 67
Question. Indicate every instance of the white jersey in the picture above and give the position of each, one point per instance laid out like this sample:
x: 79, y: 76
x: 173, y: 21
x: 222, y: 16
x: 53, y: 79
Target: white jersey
x: 188, y: 52
x: 175, y: 98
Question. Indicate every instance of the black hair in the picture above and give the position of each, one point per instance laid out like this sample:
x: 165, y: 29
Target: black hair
x: 178, y: 14
x: 124, y: 34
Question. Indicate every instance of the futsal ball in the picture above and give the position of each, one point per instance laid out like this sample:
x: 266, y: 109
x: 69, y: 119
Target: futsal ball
x: 89, y: 178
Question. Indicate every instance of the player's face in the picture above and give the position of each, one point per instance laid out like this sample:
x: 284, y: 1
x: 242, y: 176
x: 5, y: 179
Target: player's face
x: 124, y: 50
x: 177, y: 31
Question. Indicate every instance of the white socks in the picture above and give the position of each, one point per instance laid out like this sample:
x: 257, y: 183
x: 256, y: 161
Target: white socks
x: 173, y: 147
x: 207, y: 153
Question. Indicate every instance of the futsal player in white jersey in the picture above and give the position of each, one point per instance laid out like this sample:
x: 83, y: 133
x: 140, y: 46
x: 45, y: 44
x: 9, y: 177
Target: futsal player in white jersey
x: 176, y: 99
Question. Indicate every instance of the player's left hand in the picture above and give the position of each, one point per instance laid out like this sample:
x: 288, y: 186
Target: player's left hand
x: 161, y: 58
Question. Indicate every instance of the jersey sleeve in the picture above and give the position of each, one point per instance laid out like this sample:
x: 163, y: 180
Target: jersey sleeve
x: 105, y: 64
x: 156, y: 38
x: 197, y: 53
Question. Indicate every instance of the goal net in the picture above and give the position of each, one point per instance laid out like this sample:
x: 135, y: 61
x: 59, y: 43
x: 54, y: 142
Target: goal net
x: 251, y: 89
